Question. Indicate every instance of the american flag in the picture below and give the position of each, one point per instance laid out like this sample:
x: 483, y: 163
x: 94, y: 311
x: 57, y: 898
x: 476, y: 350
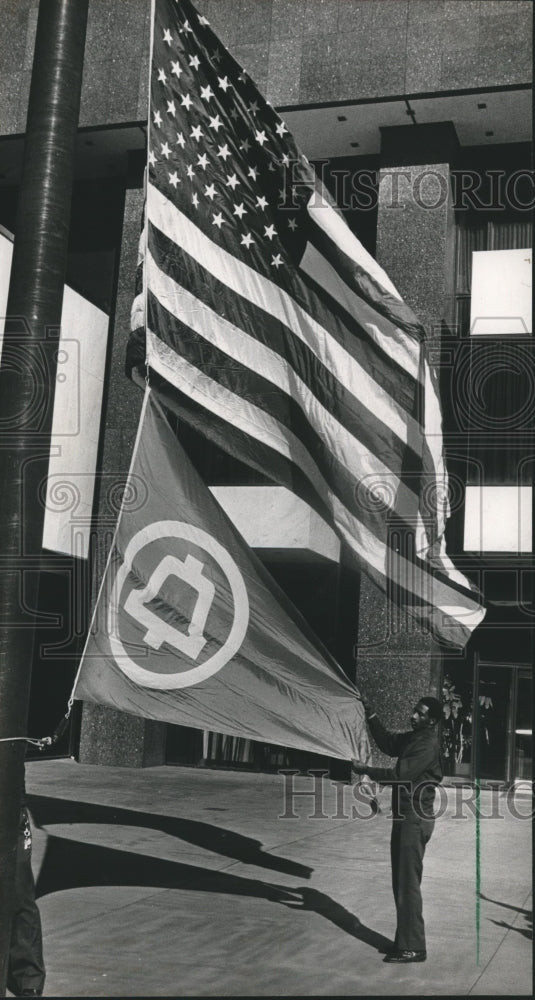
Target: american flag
x: 266, y: 325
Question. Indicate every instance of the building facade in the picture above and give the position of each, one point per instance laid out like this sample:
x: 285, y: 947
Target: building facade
x: 417, y: 115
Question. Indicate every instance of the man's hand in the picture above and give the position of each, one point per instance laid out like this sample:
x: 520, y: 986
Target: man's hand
x: 365, y: 703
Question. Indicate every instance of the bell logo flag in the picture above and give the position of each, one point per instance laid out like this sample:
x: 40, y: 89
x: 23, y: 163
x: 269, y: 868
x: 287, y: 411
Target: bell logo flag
x: 189, y: 627
x: 265, y: 324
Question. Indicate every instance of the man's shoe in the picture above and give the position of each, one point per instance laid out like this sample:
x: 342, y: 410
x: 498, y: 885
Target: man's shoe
x: 30, y: 993
x: 406, y: 956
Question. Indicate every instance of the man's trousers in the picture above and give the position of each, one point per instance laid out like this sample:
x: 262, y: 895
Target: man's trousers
x: 25, y: 963
x: 410, y: 835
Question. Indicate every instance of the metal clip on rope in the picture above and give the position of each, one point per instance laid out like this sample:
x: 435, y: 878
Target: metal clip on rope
x: 43, y: 741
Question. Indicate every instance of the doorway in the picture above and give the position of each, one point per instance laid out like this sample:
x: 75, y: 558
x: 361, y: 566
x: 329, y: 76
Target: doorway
x: 487, y: 724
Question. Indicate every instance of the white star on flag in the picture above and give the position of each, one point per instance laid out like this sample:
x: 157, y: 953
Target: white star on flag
x: 247, y: 240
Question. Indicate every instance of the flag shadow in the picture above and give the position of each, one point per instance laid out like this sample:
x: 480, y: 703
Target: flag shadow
x: 72, y: 864
x: 526, y: 931
x: 48, y: 811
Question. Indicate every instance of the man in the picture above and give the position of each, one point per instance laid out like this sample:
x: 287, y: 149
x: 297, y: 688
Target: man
x: 25, y: 967
x: 414, y: 779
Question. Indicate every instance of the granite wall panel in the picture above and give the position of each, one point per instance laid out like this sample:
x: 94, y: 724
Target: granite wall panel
x: 223, y: 16
x: 14, y: 19
x: 503, y: 64
x: 24, y: 81
x: 9, y: 104
x: 353, y: 59
x: 387, y: 63
x: 321, y: 17
x: 254, y: 22
x: 424, y: 57
x: 114, y: 739
x: 319, y: 69
x: 391, y: 16
x: 504, y: 28
x: 356, y: 16
x: 422, y: 10
x: 287, y: 20
x: 30, y: 36
x: 415, y: 236
x: 342, y: 50
x: 282, y: 80
x: 504, y: 7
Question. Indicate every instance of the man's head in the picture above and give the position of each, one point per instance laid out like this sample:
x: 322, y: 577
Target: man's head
x: 426, y: 713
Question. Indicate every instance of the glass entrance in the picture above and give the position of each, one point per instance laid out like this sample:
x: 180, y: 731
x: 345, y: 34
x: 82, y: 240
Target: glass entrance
x: 523, y: 728
x: 501, y: 697
x: 495, y: 716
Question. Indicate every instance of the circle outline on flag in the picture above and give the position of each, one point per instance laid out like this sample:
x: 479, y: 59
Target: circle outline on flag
x: 186, y: 678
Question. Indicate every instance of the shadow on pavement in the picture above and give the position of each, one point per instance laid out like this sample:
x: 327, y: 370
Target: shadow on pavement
x: 71, y: 864
x: 526, y: 932
x: 47, y: 811
x: 319, y: 902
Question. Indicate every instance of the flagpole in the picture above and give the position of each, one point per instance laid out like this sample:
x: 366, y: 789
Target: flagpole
x: 27, y: 380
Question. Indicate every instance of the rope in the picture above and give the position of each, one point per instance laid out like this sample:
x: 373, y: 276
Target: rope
x: 44, y: 741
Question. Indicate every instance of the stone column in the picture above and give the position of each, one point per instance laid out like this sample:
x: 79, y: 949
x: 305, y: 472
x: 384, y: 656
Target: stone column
x: 396, y: 662
x: 108, y: 736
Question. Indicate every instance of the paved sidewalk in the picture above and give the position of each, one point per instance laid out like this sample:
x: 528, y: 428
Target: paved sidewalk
x: 187, y: 882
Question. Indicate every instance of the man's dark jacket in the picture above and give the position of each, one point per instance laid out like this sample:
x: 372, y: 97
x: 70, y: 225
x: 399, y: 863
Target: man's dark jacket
x: 417, y: 772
